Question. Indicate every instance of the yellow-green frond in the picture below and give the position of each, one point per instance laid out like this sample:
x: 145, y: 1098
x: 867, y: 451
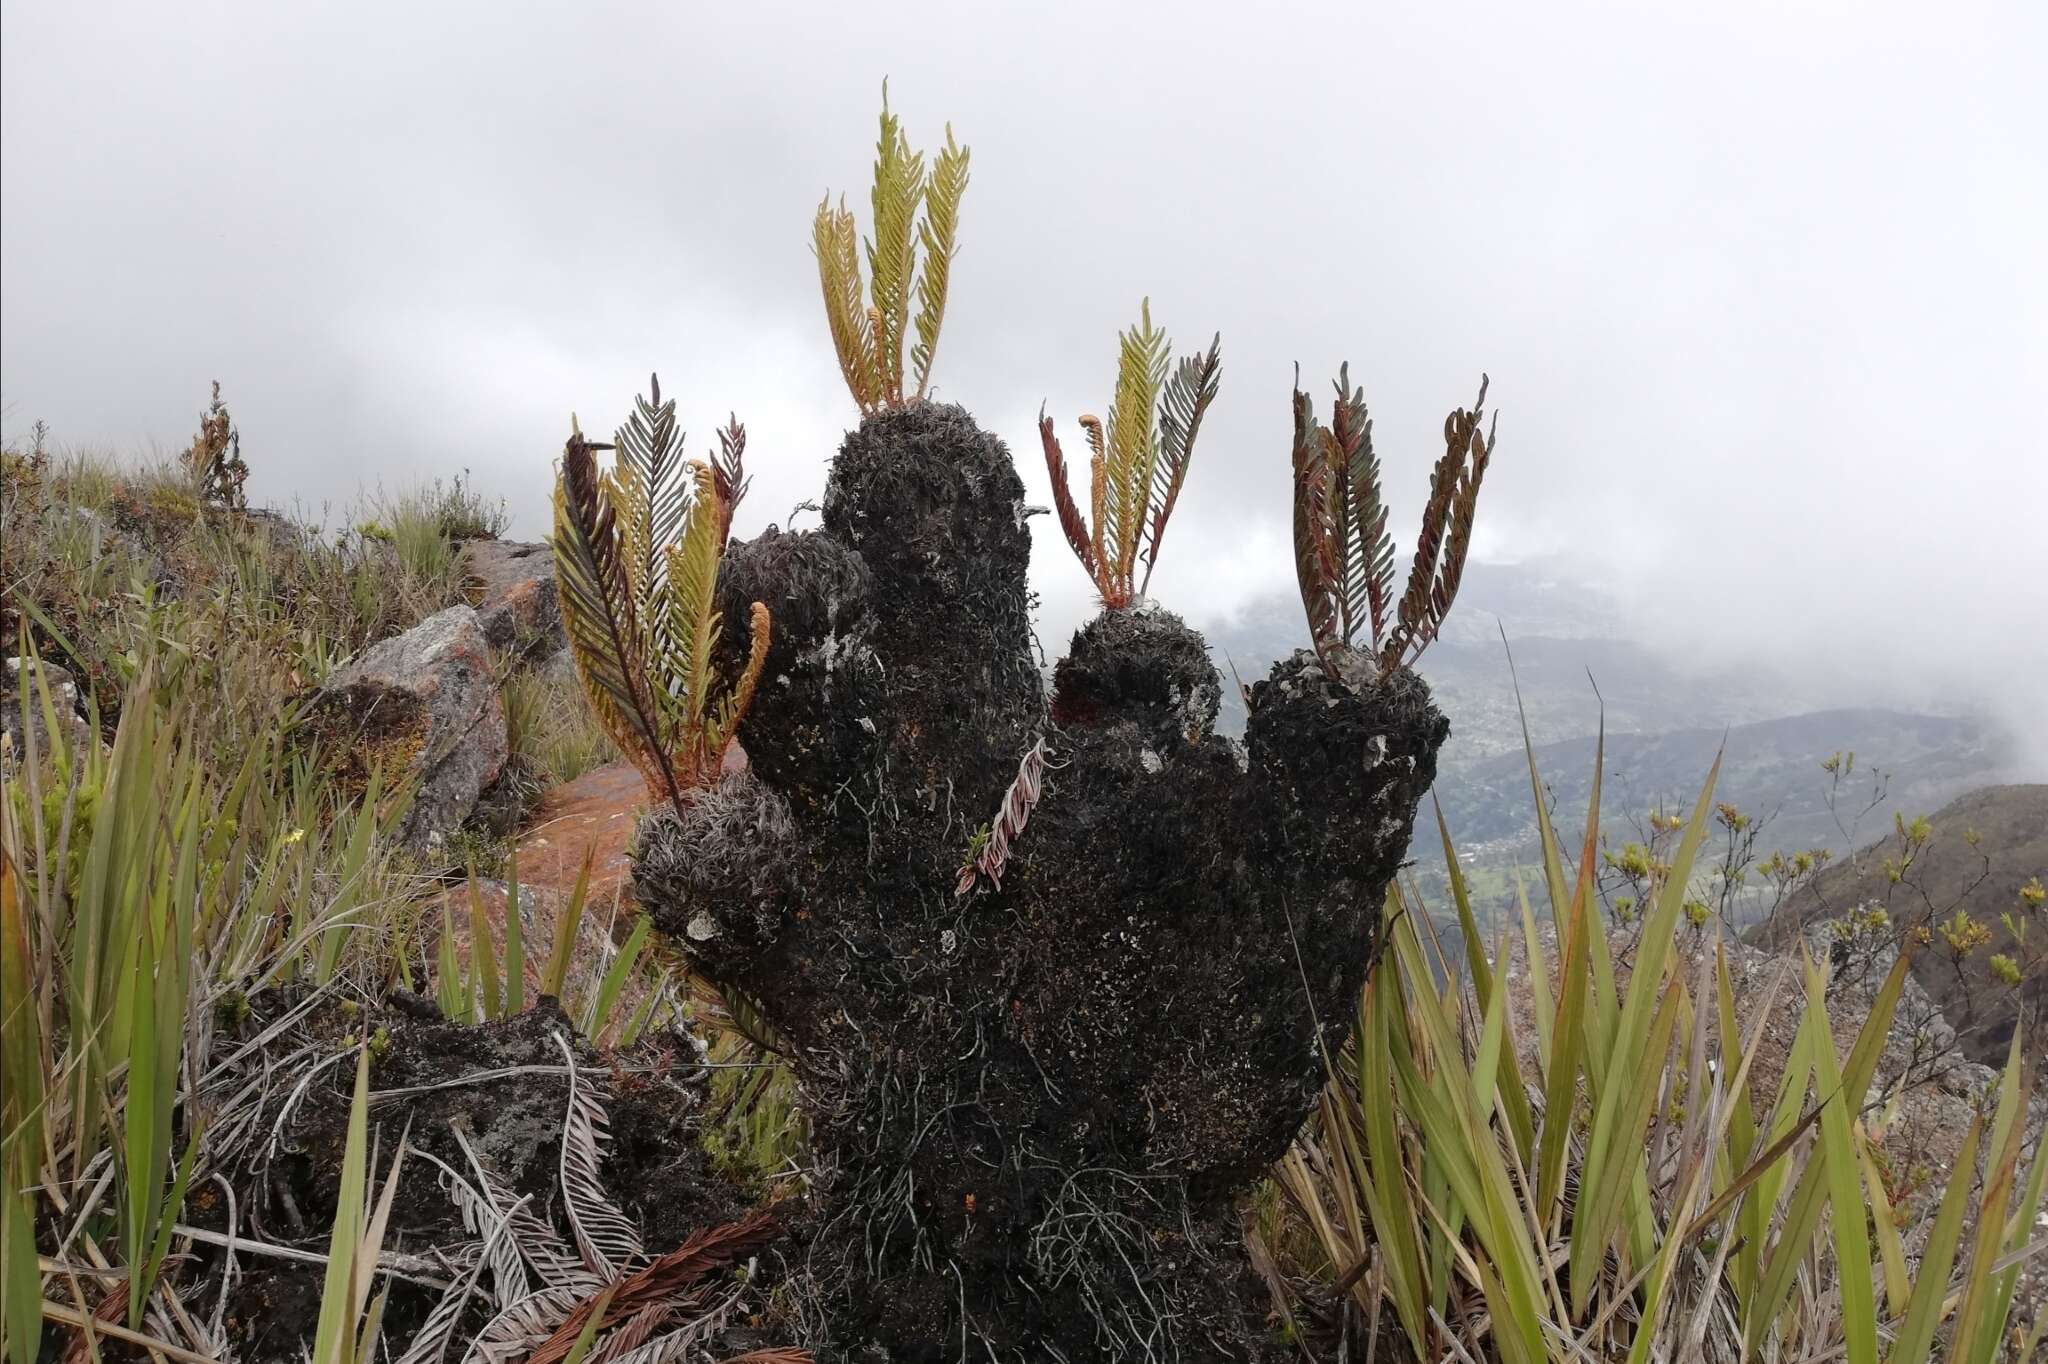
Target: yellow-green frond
x: 732, y: 709
x: 1133, y: 440
x: 692, y: 615
x: 1098, y: 482
x: 914, y: 206
x: 898, y: 190
x: 835, y: 242
x: 948, y: 185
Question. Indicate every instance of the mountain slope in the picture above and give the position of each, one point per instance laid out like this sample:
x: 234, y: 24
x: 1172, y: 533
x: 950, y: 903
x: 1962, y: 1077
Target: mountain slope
x: 1950, y: 871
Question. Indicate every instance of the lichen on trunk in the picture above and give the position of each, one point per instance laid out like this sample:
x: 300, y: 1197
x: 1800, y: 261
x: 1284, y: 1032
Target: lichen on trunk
x: 1033, y: 1103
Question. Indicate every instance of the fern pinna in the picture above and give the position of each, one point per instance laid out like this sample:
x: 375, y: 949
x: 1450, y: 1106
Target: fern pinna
x: 1344, y: 557
x: 1137, y: 462
x: 637, y: 550
x: 870, y: 338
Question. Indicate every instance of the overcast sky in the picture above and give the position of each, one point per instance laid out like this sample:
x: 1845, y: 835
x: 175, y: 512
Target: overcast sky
x: 1761, y: 287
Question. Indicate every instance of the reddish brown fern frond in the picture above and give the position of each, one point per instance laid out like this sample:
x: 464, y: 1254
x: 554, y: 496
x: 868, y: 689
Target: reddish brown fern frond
x: 1446, y: 535
x: 1072, y: 523
x: 662, y: 1280
x: 729, y: 474
x: 1314, y: 566
x: 1343, y: 554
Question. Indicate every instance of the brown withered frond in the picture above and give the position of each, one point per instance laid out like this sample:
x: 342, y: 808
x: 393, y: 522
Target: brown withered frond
x: 1138, y: 459
x: 1343, y: 553
x: 637, y: 553
x: 662, y: 1280
x: 871, y: 339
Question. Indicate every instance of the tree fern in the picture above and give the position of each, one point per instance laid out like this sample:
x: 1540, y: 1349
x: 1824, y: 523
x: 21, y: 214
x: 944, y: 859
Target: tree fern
x: 1138, y: 460
x: 870, y: 338
x: 1344, y: 557
x: 637, y: 551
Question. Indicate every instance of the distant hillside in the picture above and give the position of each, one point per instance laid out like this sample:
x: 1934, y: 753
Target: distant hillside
x: 1664, y: 719
x: 1770, y: 768
x: 1949, y: 872
x: 1567, y: 639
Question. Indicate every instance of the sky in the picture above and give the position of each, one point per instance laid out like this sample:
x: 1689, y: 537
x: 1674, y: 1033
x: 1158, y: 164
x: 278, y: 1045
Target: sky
x: 1760, y: 287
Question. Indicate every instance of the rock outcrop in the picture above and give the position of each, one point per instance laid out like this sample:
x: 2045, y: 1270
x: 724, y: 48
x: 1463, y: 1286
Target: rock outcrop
x: 22, y: 721
x: 512, y: 586
x: 424, y: 707
x: 1058, y: 981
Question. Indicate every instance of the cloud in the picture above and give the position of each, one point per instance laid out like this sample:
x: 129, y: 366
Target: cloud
x: 1759, y: 286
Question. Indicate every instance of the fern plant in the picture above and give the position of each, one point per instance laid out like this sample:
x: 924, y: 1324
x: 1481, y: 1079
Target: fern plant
x: 637, y: 550
x: 1137, y: 460
x: 871, y: 337
x: 1343, y: 555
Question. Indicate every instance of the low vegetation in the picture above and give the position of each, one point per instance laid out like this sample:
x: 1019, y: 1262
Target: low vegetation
x: 175, y: 868
x: 1624, y: 1185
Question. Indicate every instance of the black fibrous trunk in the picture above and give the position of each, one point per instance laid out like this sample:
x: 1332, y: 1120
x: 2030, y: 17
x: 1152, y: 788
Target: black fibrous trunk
x: 1033, y: 1105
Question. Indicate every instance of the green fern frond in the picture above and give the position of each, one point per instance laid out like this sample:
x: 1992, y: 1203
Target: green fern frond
x: 870, y: 338
x: 936, y: 234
